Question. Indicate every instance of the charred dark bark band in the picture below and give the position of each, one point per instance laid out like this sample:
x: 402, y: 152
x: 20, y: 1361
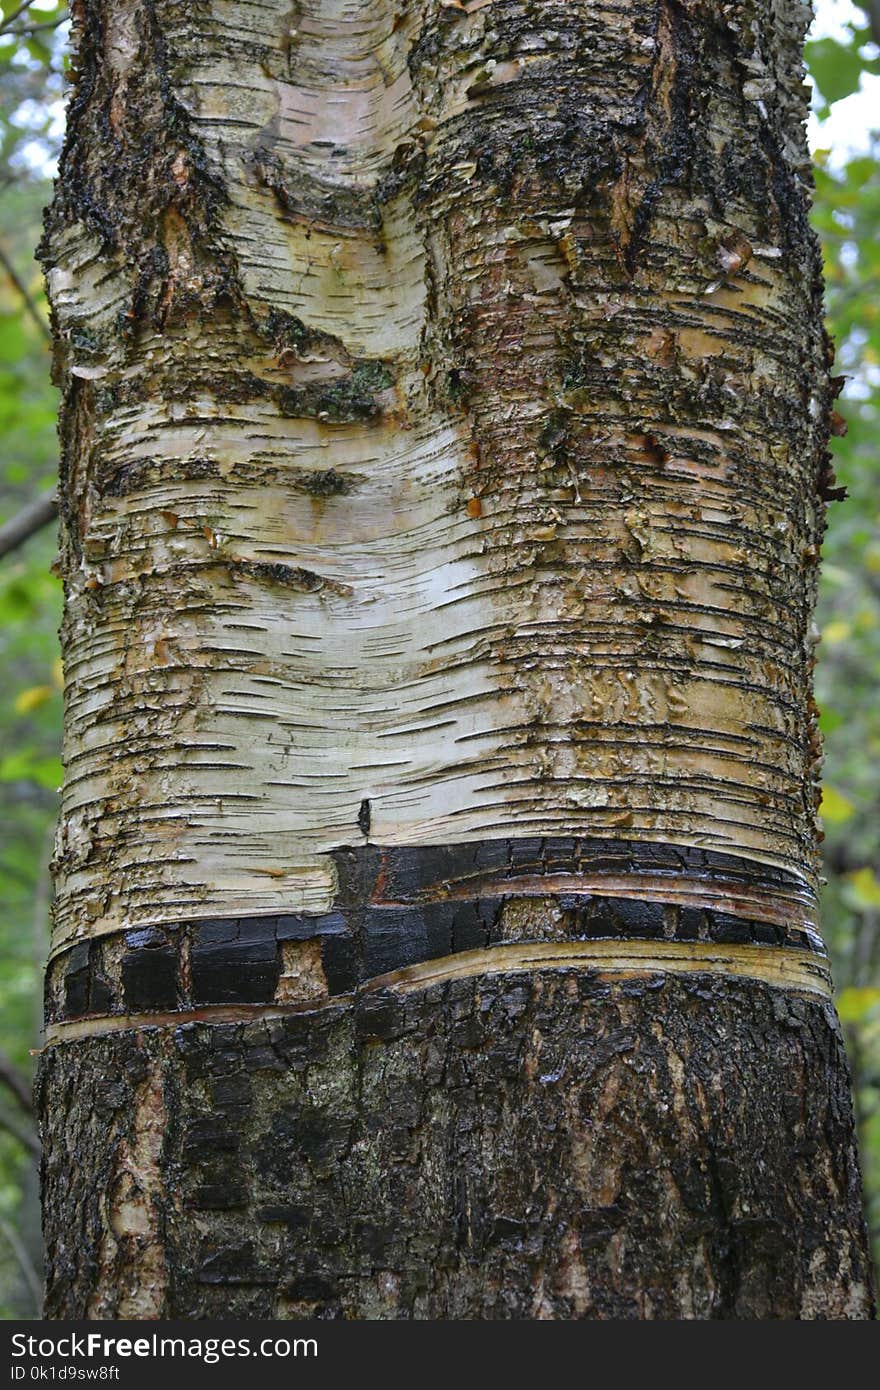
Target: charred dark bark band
x: 607, y: 961
x: 399, y: 907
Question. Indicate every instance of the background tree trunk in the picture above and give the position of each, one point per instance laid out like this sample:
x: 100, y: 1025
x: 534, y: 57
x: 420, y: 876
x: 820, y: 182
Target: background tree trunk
x: 445, y: 425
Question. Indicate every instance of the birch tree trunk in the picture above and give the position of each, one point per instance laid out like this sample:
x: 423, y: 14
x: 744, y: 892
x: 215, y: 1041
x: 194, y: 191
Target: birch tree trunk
x: 446, y: 406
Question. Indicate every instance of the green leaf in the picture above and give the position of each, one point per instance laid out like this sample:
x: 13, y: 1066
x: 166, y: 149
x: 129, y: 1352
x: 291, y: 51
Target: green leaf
x: 829, y: 720
x: 25, y: 766
x: 836, y: 67
x: 26, y: 701
x: 862, y: 890
x: 854, y: 1005
x: 835, y: 807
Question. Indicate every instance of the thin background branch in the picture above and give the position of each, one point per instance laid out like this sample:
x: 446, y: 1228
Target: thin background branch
x: 29, y: 520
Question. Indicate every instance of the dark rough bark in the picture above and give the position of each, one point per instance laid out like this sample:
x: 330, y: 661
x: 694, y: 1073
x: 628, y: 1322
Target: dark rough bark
x: 551, y: 1146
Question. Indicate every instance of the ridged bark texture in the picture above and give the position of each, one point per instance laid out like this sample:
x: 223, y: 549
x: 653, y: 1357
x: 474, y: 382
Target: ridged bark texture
x: 446, y: 408
x: 545, y: 1147
x: 445, y: 432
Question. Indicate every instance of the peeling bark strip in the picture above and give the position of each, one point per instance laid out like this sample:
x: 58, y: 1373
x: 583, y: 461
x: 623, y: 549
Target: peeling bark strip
x: 398, y: 907
x: 305, y: 990
x: 444, y: 439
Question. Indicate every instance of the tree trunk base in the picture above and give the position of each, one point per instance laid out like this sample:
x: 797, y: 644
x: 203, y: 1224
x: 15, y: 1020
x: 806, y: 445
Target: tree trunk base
x: 544, y: 1145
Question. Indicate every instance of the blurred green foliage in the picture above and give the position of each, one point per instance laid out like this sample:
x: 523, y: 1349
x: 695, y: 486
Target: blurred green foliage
x: 847, y: 215
x: 31, y: 84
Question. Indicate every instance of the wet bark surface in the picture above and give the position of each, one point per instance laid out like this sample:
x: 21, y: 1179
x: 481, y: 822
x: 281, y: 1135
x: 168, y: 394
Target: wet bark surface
x: 397, y: 908
x: 444, y: 440
x: 543, y: 1147
x: 444, y: 467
